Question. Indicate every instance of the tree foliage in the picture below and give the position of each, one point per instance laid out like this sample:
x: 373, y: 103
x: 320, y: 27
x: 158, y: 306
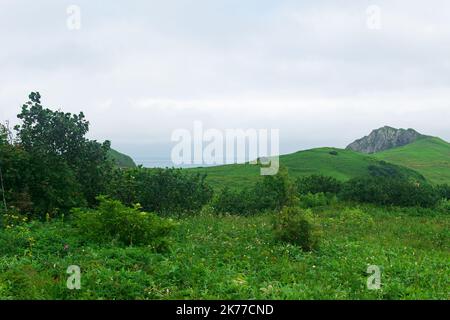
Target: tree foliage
x: 318, y: 184
x: 166, y: 191
x: 390, y: 191
x: 51, y: 166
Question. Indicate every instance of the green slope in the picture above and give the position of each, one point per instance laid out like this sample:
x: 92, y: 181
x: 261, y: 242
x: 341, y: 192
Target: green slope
x: 429, y: 156
x: 345, y: 165
x: 121, y: 160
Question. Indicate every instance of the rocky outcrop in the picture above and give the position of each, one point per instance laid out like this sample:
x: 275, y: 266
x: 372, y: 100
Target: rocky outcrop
x: 383, y: 139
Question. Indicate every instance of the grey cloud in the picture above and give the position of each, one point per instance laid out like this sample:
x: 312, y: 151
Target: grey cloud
x: 231, y: 63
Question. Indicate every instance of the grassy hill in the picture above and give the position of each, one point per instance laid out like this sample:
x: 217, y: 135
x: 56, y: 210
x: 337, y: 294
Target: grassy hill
x: 122, y: 160
x: 338, y: 163
x: 429, y: 156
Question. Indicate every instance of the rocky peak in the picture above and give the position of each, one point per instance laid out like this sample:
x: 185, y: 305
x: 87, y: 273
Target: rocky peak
x: 383, y: 139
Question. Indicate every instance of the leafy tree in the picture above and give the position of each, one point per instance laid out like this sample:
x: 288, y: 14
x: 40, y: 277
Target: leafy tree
x: 14, y: 165
x: 35, y: 182
x: 51, y: 132
x: 66, y: 167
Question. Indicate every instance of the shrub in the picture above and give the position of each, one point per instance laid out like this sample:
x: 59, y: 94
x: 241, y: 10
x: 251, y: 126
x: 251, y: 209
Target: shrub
x: 355, y: 217
x: 389, y: 170
x: 444, y: 191
x: 114, y: 222
x: 271, y: 193
x: 390, y: 191
x: 24, y: 282
x: 15, y: 234
x: 444, y: 206
x: 275, y: 191
x: 311, y: 200
x: 165, y: 191
x: 384, y: 169
x: 318, y: 184
x: 296, y: 226
x: 235, y: 202
x: 12, y: 218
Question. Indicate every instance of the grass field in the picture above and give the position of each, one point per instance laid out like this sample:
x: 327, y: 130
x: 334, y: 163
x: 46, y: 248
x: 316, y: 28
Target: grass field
x: 429, y: 156
x: 346, y: 164
x: 235, y: 257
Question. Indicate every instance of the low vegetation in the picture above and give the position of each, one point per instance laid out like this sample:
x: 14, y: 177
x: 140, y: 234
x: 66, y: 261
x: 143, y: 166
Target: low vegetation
x: 296, y: 226
x: 238, y: 257
x: 141, y: 233
x: 113, y: 222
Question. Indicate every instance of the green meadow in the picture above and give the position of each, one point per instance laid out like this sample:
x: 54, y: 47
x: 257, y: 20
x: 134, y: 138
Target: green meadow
x: 235, y: 257
x: 337, y: 163
x: 430, y: 156
x: 78, y: 220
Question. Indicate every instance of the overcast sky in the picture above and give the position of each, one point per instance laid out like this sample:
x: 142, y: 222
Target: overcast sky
x: 323, y: 72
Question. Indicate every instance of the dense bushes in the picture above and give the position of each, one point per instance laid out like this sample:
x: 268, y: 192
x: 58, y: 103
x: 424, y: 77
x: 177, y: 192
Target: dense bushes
x: 390, y: 191
x: 355, y: 218
x: 296, y: 226
x: 165, y: 191
x: 114, y: 222
x: 444, y: 191
x: 271, y: 193
x: 275, y: 191
x: 385, y: 185
x: 444, y: 206
x: 231, y: 201
x: 384, y: 169
x: 38, y: 183
x: 318, y: 184
x: 312, y: 200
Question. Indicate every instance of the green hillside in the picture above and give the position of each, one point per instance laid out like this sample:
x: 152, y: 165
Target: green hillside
x: 122, y: 160
x: 429, y: 156
x: 338, y: 163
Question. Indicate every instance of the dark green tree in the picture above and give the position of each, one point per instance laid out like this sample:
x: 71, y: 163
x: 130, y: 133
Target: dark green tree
x: 65, y: 168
